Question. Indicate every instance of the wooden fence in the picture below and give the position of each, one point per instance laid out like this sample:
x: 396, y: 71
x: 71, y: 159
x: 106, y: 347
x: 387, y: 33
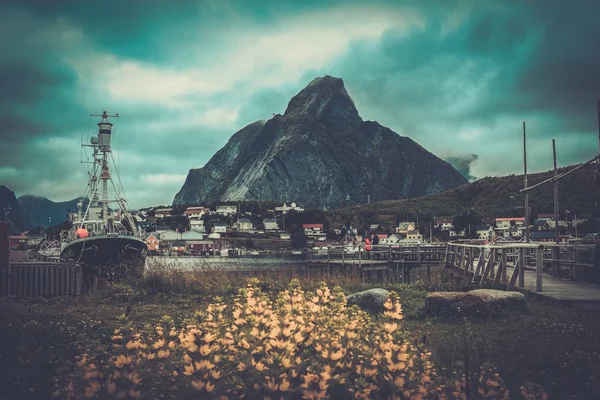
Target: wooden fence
x: 35, y: 279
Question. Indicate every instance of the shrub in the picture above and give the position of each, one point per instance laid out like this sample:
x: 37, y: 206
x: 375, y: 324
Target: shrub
x: 297, y: 345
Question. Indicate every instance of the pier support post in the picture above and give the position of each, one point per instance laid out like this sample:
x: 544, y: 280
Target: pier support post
x: 522, y: 263
x: 539, y: 266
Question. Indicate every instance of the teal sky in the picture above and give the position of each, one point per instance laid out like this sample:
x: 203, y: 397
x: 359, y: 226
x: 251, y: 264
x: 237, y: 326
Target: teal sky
x: 458, y: 77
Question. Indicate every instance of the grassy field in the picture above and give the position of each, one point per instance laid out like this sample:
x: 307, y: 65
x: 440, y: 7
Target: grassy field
x: 546, y: 344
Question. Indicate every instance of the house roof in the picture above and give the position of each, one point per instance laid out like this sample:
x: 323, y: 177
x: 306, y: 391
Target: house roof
x: 545, y: 216
x: 542, y: 235
x: 199, y: 242
x: 269, y: 220
x: 312, y: 225
x: 444, y: 220
x: 510, y: 219
x: 220, y: 224
x: 244, y: 220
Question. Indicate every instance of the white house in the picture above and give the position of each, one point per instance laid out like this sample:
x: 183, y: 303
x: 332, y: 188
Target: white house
x: 227, y: 210
x: 197, y: 225
x: 195, y: 212
x: 444, y: 223
x: 285, y: 236
x: 270, y: 224
x: 484, y: 232
x: 506, y: 223
x: 214, y: 235
x: 244, y: 225
x: 220, y: 227
x: 312, y: 228
x: 163, y: 212
x: 285, y: 208
x: 414, y: 236
x: 405, y: 227
x: 394, y: 239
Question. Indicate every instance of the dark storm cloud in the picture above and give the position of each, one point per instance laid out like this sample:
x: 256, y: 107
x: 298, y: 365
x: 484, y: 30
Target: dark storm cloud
x: 460, y: 83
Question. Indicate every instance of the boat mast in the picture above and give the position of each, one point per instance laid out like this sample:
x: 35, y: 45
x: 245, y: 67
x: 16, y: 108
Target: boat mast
x: 104, y: 136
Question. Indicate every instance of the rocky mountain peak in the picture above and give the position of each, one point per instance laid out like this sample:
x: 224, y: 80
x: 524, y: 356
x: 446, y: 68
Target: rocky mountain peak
x: 320, y: 153
x: 325, y: 99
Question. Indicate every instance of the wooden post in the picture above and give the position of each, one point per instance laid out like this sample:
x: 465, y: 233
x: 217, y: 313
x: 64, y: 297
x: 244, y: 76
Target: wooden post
x: 525, y: 186
x: 329, y: 255
x: 343, y: 261
x: 539, y: 266
x: 359, y: 256
x: 503, y: 264
x: 522, y: 268
x: 555, y: 194
x: 555, y: 261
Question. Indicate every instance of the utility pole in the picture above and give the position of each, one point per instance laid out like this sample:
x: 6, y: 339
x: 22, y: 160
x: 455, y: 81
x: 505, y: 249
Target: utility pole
x: 555, y: 193
x: 525, y: 177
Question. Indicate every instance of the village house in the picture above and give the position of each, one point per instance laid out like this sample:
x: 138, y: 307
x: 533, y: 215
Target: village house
x: 169, y: 236
x: 153, y: 243
x: 506, y: 223
x: 179, y: 246
x: 214, y: 235
x: 292, y: 207
x: 548, y: 237
x: 374, y: 227
x: 227, y: 210
x: 545, y: 217
x: 219, y: 227
x: 562, y: 226
x: 444, y: 223
x: 146, y: 225
x: 244, y: 225
x: 405, y: 227
x: 312, y: 228
x: 163, y: 212
x: 195, y: 212
x: 285, y: 236
x: 270, y: 224
x: 393, y: 239
x: 414, y: 236
x: 199, y: 245
x: 197, y: 225
x: 382, y: 238
x: 484, y: 232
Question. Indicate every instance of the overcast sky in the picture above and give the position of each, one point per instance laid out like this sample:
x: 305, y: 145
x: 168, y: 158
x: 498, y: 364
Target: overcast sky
x: 459, y: 77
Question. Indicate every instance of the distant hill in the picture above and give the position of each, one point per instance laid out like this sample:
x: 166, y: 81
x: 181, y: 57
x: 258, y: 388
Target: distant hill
x: 44, y: 212
x: 485, y: 198
x: 8, y: 202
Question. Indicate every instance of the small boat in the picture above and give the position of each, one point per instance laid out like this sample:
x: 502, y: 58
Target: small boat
x: 101, y: 234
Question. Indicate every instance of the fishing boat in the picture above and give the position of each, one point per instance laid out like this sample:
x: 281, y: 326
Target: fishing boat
x: 103, y: 232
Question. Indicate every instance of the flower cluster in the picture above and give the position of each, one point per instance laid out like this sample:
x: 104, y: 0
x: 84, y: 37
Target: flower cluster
x: 300, y: 344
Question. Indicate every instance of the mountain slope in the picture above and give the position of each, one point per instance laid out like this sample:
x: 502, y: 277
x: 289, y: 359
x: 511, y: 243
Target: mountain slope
x: 317, y: 153
x: 44, y: 212
x: 485, y: 198
x: 11, y: 210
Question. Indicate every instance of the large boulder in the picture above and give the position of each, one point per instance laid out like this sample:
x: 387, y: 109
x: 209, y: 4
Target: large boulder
x: 372, y: 299
x: 473, y: 302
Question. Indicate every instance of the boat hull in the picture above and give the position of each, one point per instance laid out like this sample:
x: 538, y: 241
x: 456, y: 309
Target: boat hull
x: 98, y: 251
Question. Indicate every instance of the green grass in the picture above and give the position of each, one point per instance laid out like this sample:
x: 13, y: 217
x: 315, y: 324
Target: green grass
x: 546, y: 343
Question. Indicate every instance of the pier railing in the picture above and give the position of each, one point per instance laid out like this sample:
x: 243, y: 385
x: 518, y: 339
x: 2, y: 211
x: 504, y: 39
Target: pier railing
x: 495, y: 262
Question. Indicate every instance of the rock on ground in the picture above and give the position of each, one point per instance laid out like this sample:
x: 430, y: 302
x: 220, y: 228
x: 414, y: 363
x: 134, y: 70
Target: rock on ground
x: 473, y: 302
x: 372, y: 299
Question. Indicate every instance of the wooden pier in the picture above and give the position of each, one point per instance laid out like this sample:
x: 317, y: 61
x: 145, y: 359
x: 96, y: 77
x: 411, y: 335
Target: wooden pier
x: 382, y: 262
x: 553, y: 270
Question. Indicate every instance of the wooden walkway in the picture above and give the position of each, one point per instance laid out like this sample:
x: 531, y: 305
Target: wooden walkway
x: 534, y: 267
x: 524, y: 265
